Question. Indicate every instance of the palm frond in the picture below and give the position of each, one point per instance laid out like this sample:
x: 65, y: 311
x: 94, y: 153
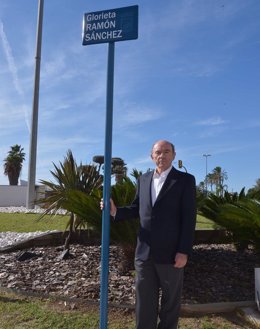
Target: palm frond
x: 238, y: 213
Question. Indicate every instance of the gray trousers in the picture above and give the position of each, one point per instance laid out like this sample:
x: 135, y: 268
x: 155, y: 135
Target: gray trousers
x: 151, y: 278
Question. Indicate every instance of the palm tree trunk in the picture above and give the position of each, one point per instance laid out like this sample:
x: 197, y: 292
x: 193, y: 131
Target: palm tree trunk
x: 67, y: 241
x: 13, y: 179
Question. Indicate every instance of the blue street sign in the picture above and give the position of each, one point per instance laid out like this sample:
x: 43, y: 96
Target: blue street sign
x: 110, y: 25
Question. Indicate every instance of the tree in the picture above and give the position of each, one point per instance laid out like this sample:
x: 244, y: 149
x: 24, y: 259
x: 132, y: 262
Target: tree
x: 211, y: 179
x: 118, y: 167
x: 254, y: 192
x: 217, y: 178
x: 13, y: 164
x: 243, y: 220
x: 69, y: 177
x: 238, y: 213
x: 200, y: 195
x: 136, y: 173
x: 123, y: 233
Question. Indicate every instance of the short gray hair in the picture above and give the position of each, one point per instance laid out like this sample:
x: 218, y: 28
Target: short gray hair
x: 172, y: 146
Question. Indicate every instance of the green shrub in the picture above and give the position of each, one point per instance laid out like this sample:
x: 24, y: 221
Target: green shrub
x: 239, y: 214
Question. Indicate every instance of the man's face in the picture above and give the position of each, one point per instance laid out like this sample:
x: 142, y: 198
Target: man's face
x: 162, y: 155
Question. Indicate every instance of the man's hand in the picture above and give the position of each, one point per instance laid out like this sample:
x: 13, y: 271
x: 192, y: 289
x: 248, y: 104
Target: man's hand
x: 113, y: 208
x: 180, y: 260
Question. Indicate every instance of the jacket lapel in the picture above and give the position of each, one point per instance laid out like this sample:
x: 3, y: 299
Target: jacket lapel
x: 170, y: 181
x: 146, y: 186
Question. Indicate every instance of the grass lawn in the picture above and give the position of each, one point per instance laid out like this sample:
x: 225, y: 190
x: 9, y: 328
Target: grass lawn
x: 204, y: 223
x: 17, y: 312
x: 20, y: 222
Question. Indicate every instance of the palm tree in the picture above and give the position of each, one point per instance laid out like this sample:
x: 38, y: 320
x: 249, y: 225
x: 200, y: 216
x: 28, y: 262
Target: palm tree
x: 118, y: 167
x: 123, y: 233
x: 69, y: 177
x: 211, y: 180
x: 211, y: 207
x: 221, y: 176
x: 243, y: 219
x: 200, y: 195
x: 254, y: 192
x: 136, y: 173
x: 13, y: 164
x: 217, y: 178
x: 238, y: 213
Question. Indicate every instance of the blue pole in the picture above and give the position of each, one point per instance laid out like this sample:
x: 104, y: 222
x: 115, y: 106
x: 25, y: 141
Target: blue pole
x: 106, y: 191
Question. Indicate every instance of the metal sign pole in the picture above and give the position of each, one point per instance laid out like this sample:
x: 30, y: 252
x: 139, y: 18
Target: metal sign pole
x: 108, y: 26
x: 106, y: 191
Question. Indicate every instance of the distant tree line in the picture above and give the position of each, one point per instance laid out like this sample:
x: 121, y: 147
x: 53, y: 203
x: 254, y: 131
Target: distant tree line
x: 215, y: 182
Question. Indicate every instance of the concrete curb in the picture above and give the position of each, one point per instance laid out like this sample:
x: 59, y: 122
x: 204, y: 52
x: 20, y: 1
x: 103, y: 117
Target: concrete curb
x: 252, y: 315
x: 52, y: 239
x: 186, y: 309
x: 223, y: 307
x: 87, y: 237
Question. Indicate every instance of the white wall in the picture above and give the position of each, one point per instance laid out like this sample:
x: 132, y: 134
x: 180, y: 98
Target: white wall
x: 15, y: 196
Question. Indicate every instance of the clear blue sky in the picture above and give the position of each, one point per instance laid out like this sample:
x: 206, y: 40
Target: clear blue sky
x: 192, y: 77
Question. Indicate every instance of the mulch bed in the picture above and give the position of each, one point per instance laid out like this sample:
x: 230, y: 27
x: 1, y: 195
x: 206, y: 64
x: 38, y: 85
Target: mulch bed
x: 214, y: 273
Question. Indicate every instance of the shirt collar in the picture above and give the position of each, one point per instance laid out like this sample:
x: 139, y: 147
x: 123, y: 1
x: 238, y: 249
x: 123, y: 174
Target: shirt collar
x: 163, y: 174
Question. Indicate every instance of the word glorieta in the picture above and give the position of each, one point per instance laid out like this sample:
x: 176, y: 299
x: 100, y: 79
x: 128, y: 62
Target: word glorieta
x: 101, y: 16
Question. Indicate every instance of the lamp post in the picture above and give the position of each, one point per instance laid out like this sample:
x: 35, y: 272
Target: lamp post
x: 206, y: 177
x: 34, y: 124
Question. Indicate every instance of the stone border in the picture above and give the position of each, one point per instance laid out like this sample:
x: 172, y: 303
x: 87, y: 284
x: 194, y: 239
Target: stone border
x: 252, y: 315
x: 56, y: 238
x: 87, y: 237
x: 186, y: 309
x: 210, y: 308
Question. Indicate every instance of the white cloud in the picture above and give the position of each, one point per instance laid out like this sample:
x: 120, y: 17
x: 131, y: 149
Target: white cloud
x: 10, y: 59
x: 215, y: 121
x: 11, y: 117
x: 212, y: 132
x: 133, y: 114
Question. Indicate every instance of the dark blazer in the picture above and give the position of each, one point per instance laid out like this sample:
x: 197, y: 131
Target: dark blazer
x: 167, y: 227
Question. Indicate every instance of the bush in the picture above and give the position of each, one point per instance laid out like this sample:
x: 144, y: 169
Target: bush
x: 239, y: 214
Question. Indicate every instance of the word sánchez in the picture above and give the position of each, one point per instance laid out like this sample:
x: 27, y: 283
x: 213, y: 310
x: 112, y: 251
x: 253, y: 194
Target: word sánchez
x: 104, y: 35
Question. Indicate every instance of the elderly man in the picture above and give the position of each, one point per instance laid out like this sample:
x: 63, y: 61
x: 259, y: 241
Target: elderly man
x: 165, y: 203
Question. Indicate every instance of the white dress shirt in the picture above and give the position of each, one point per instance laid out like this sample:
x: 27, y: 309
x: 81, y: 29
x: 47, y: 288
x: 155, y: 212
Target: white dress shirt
x: 157, y: 183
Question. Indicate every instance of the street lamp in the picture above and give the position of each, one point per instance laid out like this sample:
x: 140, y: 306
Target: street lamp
x: 34, y: 124
x: 206, y: 177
